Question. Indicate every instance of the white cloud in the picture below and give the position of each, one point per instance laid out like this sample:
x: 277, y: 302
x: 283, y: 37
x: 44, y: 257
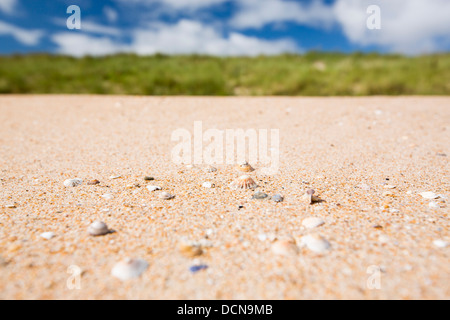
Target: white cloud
x: 407, y: 26
x: 184, y: 37
x: 258, y: 13
x: 26, y: 37
x: 8, y: 6
x: 176, y: 4
x: 110, y: 14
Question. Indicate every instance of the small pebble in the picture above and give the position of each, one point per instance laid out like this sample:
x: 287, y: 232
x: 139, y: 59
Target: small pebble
x: 71, y: 183
x: 312, y: 222
x: 440, y: 243
x: 198, y: 268
x: 47, y: 235
x: 153, y: 188
x: 277, y: 198
x: 149, y: 178
x: 129, y: 269
x: 315, y: 243
x: 259, y: 195
x: 98, y: 228
x: 93, y: 182
x: 190, y: 249
x: 166, y: 196
x: 429, y: 195
x: 208, y: 185
x: 285, y: 248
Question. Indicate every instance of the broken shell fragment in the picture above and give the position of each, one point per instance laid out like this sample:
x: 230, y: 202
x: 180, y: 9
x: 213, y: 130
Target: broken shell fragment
x: 285, y: 248
x: 166, y: 196
x: 243, y: 182
x: 98, y: 228
x: 429, y: 195
x: 208, y: 185
x: 47, y: 235
x: 309, y: 197
x: 129, y: 269
x: 72, y: 183
x: 153, y: 188
x: 93, y: 182
x: 244, y: 167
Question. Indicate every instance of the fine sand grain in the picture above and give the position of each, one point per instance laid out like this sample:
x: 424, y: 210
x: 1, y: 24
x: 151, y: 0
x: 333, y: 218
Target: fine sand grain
x: 367, y: 158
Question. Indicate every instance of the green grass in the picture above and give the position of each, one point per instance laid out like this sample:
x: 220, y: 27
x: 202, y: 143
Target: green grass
x: 312, y: 74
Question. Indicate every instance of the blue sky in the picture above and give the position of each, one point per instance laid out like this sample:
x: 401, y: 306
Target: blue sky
x: 223, y: 27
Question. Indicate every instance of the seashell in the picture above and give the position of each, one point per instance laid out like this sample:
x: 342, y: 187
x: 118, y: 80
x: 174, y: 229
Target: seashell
x: 277, y: 198
x: 148, y: 178
x: 285, y: 248
x: 93, y: 182
x: 108, y: 196
x: 10, y: 206
x: 208, y: 185
x: 312, y: 222
x: 166, y: 196
x: 98, y: 228
x: 309, y: 197
x: 72, y: 183
x: 115, y: 177
x: 244, y: 167
x: 434, y: 205
x: 389, y: 186
x: 259, y: 195
x: 190, y: 249
x: 210, y: 169
x: 129, y: 269
x: 440, y: 243
x: 47, y: 235
x: 244, y: 182
x: 153, y: 188
x: 315, y: 243
x: 429, y: 195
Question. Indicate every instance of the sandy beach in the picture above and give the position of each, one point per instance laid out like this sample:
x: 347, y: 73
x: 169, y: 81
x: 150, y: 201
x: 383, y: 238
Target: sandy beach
x: 368, y: 159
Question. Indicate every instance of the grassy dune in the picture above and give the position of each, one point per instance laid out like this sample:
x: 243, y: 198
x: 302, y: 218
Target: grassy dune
x: 312, y: 74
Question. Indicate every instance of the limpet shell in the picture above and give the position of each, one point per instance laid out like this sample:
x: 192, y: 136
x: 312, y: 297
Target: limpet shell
x: 71, y: 183
x: 244, y: 182
x: 244, y: 167
x: 98, y: 228
x: 166, y: 196
x: 285, y: 247
x: 129, y: 269
x: 312, y: 222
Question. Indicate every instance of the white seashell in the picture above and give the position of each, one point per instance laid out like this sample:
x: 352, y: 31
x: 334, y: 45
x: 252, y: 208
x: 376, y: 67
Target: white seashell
x: 47, y: 235
x: 315, y: 243
x: 115, y: 177
x: 244, y: 182
x: 440, y: 243
x: 153, y: 188
x: 10, y: 206
x: 108, y: 196
x: 129, y: 269
x: 434, y: 205
x: 208, y: 185
x: 285, y: 248
x: 166, y: 196
x: 429, y: 195
x: 389, y: 186
x: 98, y: 228
x: 72, y: 183
x: 312, y: 222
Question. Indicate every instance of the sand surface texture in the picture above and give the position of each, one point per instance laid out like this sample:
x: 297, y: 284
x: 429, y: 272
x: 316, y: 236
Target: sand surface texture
x: 367, y: 158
